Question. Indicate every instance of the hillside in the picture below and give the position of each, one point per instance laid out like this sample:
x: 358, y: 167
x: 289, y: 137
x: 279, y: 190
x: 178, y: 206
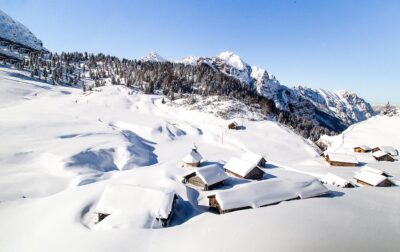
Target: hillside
x: 64, y: 147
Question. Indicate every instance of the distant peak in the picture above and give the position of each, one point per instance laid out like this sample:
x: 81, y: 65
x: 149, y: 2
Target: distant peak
x: 154, y: 56
x: 232, y: 59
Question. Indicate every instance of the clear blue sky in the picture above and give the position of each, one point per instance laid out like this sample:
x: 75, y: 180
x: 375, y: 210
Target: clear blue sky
x: 335, y: 45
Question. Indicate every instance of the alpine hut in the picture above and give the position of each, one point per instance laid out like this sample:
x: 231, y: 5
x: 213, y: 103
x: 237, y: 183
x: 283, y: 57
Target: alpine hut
x: 372, y: 179
x: 264, y: 193
x: 254, y: 158
x: 383, y: 156
x: 362, y: 149
x: 193, y: 159
x: 388, y: 149
x: 243, y: 169
x: 339, y: 159
x: 207, y: 177
x: 127, y: 205
x: 233, y: 125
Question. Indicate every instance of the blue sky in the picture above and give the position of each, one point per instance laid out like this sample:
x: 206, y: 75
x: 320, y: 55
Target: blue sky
x: 334, y: 45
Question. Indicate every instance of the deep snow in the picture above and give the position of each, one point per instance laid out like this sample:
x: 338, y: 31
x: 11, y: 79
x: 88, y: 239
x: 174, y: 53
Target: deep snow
x: 60, y: 148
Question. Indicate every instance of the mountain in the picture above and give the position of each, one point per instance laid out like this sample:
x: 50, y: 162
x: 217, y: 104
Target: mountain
x: 16, y: 32
x: 343, y: 104
x: 154, y: 57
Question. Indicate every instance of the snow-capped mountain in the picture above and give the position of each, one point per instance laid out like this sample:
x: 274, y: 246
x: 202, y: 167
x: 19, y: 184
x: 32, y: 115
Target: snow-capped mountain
x: 153, y: 56
x: 343, y: 104
x: 16, y: 32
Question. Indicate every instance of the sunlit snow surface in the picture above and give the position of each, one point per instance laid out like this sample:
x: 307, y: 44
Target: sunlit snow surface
x: 60, y: 148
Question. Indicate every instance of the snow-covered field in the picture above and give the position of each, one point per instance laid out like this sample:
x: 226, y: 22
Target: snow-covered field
x: 60, y: 148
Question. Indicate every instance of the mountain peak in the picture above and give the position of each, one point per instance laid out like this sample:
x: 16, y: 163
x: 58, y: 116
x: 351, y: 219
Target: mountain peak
x: 154, y: 56
x: 232, y: 59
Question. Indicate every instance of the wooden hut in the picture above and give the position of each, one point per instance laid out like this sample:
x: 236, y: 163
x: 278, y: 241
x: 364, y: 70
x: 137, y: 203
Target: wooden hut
x: 362, y: 149
x: 263, y: 193
x: 233, y: 125
x: 388, y: 149
x: 383, y: 156
x: 339, y: 159
x: 207, y: 177
x: 372, y: 179
x: 127, y: 205
x: 254, y: 158
x: 243, y: 169
x: 193, y: 159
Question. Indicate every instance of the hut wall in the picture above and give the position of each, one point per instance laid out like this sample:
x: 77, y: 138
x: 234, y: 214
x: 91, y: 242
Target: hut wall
x: 195, y: 180
x: 256, y: 173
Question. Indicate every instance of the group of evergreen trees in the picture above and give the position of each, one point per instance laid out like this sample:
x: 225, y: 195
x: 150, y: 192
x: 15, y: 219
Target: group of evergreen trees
x: 95, y: 70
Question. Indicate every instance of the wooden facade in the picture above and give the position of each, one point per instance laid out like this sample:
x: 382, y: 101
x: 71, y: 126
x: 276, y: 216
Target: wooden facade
x: 256, y: 174
x: 338, y: 163
x: 166, y: 221
x: 385, y: 183
x: 386, y: 157
x: 196, y: 181
x: 361, y: 150
x: 233, y: 125
x: 197, y: 164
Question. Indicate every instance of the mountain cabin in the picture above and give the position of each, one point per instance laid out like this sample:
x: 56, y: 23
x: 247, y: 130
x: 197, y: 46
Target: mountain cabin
x: 193, y: 159
x: 383, y: 156
x: 362, y: 149
x: 233, y: 125
x: 372, y: 179
x: 339, y: 159
x: 243, y: 169
x: 207, y: 177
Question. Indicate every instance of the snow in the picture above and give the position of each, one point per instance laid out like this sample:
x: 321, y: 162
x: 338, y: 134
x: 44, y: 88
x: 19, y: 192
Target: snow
x: 129, y: 205
x: 335, y: 180
x: 193, y: 157
x: 252, y: 157
x: 17, y: 32
x: 341, y: 157
x: 210, y: 174
x: 373, y: 170
x: 371, y: 178
x: 232, y: 59
x: 61, y: 148
x: 239, y: 166
x: 271, y: 191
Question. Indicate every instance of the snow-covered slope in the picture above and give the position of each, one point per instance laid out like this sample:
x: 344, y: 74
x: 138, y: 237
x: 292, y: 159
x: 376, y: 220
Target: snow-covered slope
x: 16, y: 32
x: 60, y: 149
x: 343, y: 104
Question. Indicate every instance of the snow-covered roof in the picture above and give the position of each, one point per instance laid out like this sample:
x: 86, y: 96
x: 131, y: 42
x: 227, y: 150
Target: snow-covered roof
x: 252, y: 157
x: 16, y: 32
x: 389, y: 149
x: 380, y: 153
x: 125, y: 203
x: 266, y: 192
x: 343, y: 158
x: 334, y: 180
x: 373, y: 170
x: 239, y: 166
x: 370, y: 178
x: 364, y: 147
x: 210, y: 174
x: 193, y: 157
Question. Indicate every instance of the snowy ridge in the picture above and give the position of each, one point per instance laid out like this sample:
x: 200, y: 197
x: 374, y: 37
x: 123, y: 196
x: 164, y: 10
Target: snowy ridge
x: 16, y: 32
x: 343, y: 104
